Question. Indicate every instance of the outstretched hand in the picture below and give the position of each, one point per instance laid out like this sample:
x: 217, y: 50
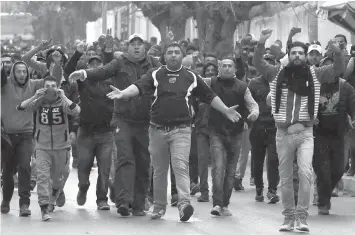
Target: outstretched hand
x: 232, y: 114
x: 115, y: 93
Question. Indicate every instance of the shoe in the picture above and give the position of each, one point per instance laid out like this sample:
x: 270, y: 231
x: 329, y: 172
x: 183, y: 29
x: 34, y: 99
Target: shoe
x: 288, y: 225
x: 139, y: 213
x: 226, y: 212
x: 301, y: 224
x: 33, y: 184
x: 123, y: 210
x: 335, y: 192
x: 5, y: 207
x: 45, y: 213
x: 24, y: 211
x: 103, y: 206
x: 186, y: 211
x: 81, y: 197
x: 203, y: 198
x: 323, y: 210
x: 158, y: 212
x: 174, y: 200
x: 61, y: 199
x: 259, y: 195
x: 217, y: 210
x: 194, y: 188
x: 238, y: 184
x: 50, y: 208
x: 252, y: 181
x: 272, y: 197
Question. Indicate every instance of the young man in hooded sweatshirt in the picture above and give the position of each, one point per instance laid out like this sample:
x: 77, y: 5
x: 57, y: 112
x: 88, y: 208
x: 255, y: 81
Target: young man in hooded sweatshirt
x: 295, y: 95
x: 19, y: 127
x: 52, y: 140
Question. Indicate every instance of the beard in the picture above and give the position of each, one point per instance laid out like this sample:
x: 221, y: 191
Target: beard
x: 298, y: 65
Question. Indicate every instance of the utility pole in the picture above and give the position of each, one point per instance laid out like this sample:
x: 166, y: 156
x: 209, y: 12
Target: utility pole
x: 104, y: 16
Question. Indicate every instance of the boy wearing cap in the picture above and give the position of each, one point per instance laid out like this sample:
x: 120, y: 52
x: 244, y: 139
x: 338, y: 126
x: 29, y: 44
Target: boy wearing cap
x: 314, y: 54
x: 52, y: 140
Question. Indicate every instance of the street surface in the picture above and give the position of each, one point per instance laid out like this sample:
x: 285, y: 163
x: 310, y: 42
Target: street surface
x: 249, y: 217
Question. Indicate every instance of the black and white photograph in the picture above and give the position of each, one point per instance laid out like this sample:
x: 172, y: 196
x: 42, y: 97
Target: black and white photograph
x: 177, y: 117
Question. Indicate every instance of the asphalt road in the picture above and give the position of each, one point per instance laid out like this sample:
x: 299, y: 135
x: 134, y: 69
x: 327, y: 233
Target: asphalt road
x: 249, y: 217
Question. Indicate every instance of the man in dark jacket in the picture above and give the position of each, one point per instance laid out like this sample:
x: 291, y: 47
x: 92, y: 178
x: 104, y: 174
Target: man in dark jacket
x: 131, y: 120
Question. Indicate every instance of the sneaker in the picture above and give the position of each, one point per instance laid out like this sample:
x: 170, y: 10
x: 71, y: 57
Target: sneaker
x: 323, y: 210
x: 158, y: 212
x: 138, y: 213
x: 203, y: 198
x: 186, y: 211
x: 123, y: 210
x: 45, y: 213
x: 24, y: 211
x: 226, y: 212
x: 288, y: 225
x: 217, y: 211
x: 174, y: 200
x: 252, y: 181
x: 238, y: 184
x: 194, y: 188
x: 259, y: 195
x: 301, y: 224
x: 81, y: 197
x: 33, y: 184
x: 61, y: 199
x: 272, y: 197
x: 5, y: 207
x: 103, y: 206
x: 50, y: 208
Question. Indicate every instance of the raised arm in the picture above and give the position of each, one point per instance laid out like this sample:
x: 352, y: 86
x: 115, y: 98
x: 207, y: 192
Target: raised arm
x: 69, y: 106
x: 73, y: 61
x: 327, y: 74
x: 32, y: 103
x: 40, y: 67
x: 268, y: 71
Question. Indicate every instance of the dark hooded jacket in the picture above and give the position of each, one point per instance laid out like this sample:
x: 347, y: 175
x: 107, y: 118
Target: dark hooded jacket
x: 13, y: 93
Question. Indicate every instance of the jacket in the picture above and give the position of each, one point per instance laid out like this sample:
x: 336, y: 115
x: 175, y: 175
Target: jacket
x: 123, y: 73
x: 52, y: 127
x: 12, y: 94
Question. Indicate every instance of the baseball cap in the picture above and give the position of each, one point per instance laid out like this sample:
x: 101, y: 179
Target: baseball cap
x: 95, y: 57
x: 135, y: 35
x: 315, y: 47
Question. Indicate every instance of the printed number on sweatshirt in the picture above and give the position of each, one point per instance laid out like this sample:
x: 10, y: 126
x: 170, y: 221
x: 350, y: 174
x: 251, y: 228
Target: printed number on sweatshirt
x: 51, y: 116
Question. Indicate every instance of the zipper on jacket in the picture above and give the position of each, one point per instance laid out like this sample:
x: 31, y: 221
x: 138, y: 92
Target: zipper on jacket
x: 293, y: 108
x: 50, y: 108
x: 65, y: 136
x: 37, y: 137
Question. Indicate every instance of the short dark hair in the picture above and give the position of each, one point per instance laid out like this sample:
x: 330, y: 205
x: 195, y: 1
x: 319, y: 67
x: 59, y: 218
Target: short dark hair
x: 298, y: 44
x: 50, y: 78
x: 174, y: 44
x: 191, y: 47
x: 341, y: 35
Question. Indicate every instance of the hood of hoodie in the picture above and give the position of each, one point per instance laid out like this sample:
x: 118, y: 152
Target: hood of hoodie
x: 12, y: 75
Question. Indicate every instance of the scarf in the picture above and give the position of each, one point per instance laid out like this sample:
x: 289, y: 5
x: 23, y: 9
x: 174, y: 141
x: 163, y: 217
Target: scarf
x: 300, y: 81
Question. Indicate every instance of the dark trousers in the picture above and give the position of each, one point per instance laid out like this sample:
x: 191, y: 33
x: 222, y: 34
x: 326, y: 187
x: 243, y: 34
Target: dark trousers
x: 18, y: 159
x: 204, y: 154
x: 89, y: 145
x: 262, y: 141
x: 328, y: 163
x: 133, y: 164
x: 225, y: 150
x: 193, y: 159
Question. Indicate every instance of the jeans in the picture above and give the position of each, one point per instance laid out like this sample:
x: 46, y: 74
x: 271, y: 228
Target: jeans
x: 204, y: 153
x: 18, y: 161
x: 176, y: 144
x: 113, y: 163
x: 328, y: 164
x: 193, y: 161
x: 51, y: 166
x: 244, y: 155
x: 262, y: 142
x: 288, y: 145
x: 90, y: 145
x: 225, y: 152
x: 133, y: 164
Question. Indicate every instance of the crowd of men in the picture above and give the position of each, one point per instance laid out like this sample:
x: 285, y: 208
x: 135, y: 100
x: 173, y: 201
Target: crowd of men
x: 141, y: 109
